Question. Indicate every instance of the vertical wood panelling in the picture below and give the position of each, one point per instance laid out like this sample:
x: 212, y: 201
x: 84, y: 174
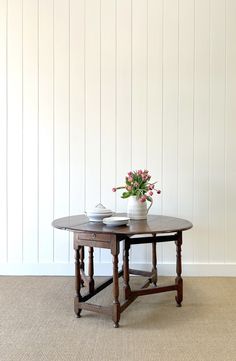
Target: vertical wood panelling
x: 124, y: 95
x: 108, y: 106
x: 139, y: 84
x: 186, y: 119
x: 123, y: 110
x: 93, y: 105
x: 3, y: 130
x: 170, y: 116
x: 30, y: 131
x: 217, y: 131
x: 108, y: 91
x: 90, y: 89
x: 154, y: 102
x: 14, y: 139
x: 201, y: 131
x: 61, y: 125
x: 77, y: 110
x: 139, y: 98
x: 46, y: 167
x: 230, y: 116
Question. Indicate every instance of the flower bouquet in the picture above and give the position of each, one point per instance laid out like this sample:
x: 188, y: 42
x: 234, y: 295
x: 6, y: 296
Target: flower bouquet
x: 139, y: 187
x: 137, y: 183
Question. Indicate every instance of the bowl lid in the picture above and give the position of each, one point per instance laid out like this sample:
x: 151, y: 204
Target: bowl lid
x: 99, y: 209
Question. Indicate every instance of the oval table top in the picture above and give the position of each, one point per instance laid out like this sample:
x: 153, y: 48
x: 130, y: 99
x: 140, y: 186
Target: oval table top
x: 154, y: 224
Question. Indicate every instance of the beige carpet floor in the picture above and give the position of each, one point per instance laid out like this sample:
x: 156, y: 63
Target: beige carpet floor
x: 37, y: 323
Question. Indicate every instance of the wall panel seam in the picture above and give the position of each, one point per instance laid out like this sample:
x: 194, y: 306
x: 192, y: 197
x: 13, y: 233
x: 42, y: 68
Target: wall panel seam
x: 7, y: 211
x: 53, y: 111
x: 100, y: 108
x: 131, y: 84
x: 210, y: 119
x: 162, y: 115
x: 116, y: 125
x: 177, y: 118
x: 147, y: 84
x: 100, y: 102
x: 194, y: 125
x: 147, y: 94
x: 85, y: 106
x: 38, y: 109
x: 225, y: 139
x: 22, y: 130
x: 69, y: 126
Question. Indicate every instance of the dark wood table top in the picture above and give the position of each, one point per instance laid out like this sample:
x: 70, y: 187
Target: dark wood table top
x: 154, y: 224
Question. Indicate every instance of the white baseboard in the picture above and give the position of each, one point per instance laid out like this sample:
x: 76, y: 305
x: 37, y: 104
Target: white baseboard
x: 105, y: 269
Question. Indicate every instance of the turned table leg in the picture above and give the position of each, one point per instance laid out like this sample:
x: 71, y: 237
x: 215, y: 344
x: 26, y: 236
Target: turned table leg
x: 154, y: 263
x: 178, y: 279
x: 90, y: 270
x: 77, y: 298
x: 126, y: 269
x: 116, y: 303
x: 81, y: 254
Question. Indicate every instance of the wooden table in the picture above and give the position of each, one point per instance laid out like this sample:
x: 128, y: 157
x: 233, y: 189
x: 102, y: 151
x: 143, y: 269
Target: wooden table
x: 157, y: 228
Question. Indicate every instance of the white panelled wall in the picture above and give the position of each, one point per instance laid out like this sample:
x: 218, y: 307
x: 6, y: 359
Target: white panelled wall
x: 90, y: 89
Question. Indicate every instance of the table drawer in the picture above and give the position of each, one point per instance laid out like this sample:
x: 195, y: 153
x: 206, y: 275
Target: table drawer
x: 93, y: 236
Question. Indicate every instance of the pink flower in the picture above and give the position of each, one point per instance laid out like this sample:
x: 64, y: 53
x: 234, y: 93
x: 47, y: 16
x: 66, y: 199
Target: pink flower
x: 145, y: 171
x: 151, y: 186
x: 140, y: 171
x: 129, y: 173
x: 130, y: 179
x: 150, y: 193
x: 143, y: 199
x: 158, y: 192
x: 129, y: 188
x: 113, y: 189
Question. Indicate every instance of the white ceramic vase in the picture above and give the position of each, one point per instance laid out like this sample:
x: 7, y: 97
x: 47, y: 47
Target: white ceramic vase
x: 137, y: 209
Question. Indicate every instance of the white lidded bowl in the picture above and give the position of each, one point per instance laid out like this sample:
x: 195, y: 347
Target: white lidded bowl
x: 98, y: 213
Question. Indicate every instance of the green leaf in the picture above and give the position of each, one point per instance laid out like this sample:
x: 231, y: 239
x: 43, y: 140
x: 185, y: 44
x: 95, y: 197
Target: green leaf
x: 125, y: 195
